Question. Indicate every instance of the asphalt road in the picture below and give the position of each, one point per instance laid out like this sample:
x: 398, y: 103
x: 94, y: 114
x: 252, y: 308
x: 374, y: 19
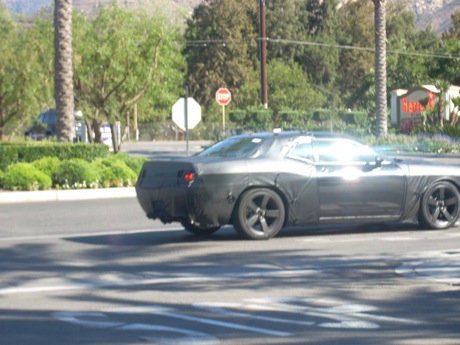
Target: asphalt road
x: 98, y: 272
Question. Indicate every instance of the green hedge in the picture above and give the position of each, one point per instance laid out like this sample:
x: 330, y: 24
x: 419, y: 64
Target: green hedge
x: 29, y: 152
x: 24, y: 176
x: 119, y: 170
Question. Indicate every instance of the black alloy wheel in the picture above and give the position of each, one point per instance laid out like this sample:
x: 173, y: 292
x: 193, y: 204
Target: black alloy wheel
x: 260, y: 214
x: 197, y: 230
x: 440, y: 206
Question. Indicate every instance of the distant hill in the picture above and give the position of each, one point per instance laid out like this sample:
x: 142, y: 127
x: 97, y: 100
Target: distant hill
x: 436, y: 13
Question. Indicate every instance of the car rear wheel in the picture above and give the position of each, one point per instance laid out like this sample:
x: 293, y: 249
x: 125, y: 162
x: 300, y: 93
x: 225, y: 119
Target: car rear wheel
x: 260, y: 214
x: 440, y: 205
x: 202, y: 231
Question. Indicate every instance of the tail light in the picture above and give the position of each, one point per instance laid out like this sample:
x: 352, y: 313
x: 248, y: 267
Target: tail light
x: 189, y: 176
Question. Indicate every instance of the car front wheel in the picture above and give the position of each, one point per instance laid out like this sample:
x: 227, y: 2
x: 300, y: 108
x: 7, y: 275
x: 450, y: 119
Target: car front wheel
x: 440, y: 206
x: 260, y: 214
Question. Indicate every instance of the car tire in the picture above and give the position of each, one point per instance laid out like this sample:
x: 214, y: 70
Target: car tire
x: 259, y: 214
x: 440, y: 206
x: 201, y: 231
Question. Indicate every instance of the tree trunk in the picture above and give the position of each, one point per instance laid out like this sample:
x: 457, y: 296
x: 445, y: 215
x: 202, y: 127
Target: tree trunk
x: 97, y: 131
x: 380, y: 67
x: 113, y: 130
x: 63, y: 70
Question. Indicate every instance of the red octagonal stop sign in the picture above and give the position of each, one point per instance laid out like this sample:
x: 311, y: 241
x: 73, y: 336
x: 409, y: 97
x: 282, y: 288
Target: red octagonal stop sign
x: 223, y: 96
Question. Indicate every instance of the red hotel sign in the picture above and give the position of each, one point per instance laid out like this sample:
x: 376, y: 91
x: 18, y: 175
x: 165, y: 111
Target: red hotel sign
x: 415, y: 106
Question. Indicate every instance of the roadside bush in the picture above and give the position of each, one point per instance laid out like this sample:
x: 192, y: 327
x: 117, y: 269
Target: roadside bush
x: 28, y: 152
x: 75, y: 174
x: 24, y: 176
x: 48, y: 165
x: 115, y: 173
x: 135, y: 163
x: 422, y: 142
x: 1, y: 178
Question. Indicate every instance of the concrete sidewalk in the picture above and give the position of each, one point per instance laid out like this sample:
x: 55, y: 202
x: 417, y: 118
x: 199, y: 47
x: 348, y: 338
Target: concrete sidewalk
x: 8, y: 197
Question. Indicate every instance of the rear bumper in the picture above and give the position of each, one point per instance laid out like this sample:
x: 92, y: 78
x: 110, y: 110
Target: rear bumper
x: 167, y: 204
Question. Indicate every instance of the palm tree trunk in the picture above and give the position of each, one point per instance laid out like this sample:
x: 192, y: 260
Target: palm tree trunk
x: 380, y: 67
x: 63, y: 73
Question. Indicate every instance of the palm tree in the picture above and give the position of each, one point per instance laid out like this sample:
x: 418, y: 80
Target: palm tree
x: 380, y: 66
x: 63, y: 70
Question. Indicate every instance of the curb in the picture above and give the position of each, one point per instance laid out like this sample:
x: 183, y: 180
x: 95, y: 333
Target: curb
x: 7, y: 197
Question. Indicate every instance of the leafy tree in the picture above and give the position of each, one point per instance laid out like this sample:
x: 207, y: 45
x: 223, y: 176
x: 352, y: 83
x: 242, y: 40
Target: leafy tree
x: 304, y: 31
x: 289, y: 88
x: 406, y: 66
x: 25, y: 71
x: 321, y: 59
x: 454, y: 30
x: 126, y: 59
x: 63, y: 70
x: 220, y: 38
x: 8, y: 33
x: 356, y: 31
x: 447, y: 68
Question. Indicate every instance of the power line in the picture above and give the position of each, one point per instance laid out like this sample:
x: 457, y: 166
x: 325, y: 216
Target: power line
x: 309, y: 43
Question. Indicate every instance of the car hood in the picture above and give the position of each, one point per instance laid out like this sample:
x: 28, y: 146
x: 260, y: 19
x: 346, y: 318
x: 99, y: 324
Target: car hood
x: 418, y: 167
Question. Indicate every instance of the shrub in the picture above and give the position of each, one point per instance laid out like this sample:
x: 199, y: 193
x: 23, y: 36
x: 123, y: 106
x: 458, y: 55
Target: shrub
x: 76, y: 173
x: 48, y: 165
x: 31, y: 151
x: 134, y: 163
x: 115, y: 173
x: 294, y: 119
x: 24, y: 176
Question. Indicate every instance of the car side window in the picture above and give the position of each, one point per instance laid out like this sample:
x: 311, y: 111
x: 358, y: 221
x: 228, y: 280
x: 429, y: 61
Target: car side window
x: 341, y: 151
x: 303, y: 151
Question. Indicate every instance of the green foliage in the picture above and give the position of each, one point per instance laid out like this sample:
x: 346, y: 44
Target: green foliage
x: 26, y: 69
x: 115, y: 172
x: 140, y: 64
x: 325, y: 115
x: 24, y: 176
x: 294, y: 119
x: 355, y: 117
x: 76, y: 173
x: 238, y: 117
x: 289, y: 88
x: 48, y: 165
x: 226, y: 56
x: 32, y: 151
x: 256, y: 119
x: 134, y: 163
x: 423, y: 142
x: 8, y: 155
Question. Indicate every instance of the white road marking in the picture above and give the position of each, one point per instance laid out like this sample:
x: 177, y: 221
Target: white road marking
x: 343, y: 316
x: 122, y: 281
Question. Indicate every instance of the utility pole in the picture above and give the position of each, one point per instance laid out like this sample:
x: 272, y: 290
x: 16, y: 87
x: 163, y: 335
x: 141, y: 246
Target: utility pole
x: 263, y: 53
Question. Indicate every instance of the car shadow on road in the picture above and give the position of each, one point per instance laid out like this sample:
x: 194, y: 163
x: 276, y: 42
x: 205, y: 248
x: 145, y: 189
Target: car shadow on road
x: 227, y: 233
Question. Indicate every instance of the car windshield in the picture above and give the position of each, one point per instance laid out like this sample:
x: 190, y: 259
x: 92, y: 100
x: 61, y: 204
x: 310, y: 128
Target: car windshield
x: 234, y: 147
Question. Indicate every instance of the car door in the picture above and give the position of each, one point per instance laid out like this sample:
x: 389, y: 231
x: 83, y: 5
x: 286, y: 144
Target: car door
x: 353, y: 184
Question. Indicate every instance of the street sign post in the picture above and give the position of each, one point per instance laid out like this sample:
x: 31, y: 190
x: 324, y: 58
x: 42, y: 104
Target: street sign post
x: 193, y: 113
x: 186, y: 115
x: 223, y: 98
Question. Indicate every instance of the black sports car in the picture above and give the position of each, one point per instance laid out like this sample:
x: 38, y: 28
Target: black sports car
x: 263, y: 182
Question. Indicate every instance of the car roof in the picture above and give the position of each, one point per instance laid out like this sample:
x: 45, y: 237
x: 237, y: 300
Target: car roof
x: 293, y: 134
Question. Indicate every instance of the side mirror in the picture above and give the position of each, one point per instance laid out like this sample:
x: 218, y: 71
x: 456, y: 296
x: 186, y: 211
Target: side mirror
x: 378, y: 161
